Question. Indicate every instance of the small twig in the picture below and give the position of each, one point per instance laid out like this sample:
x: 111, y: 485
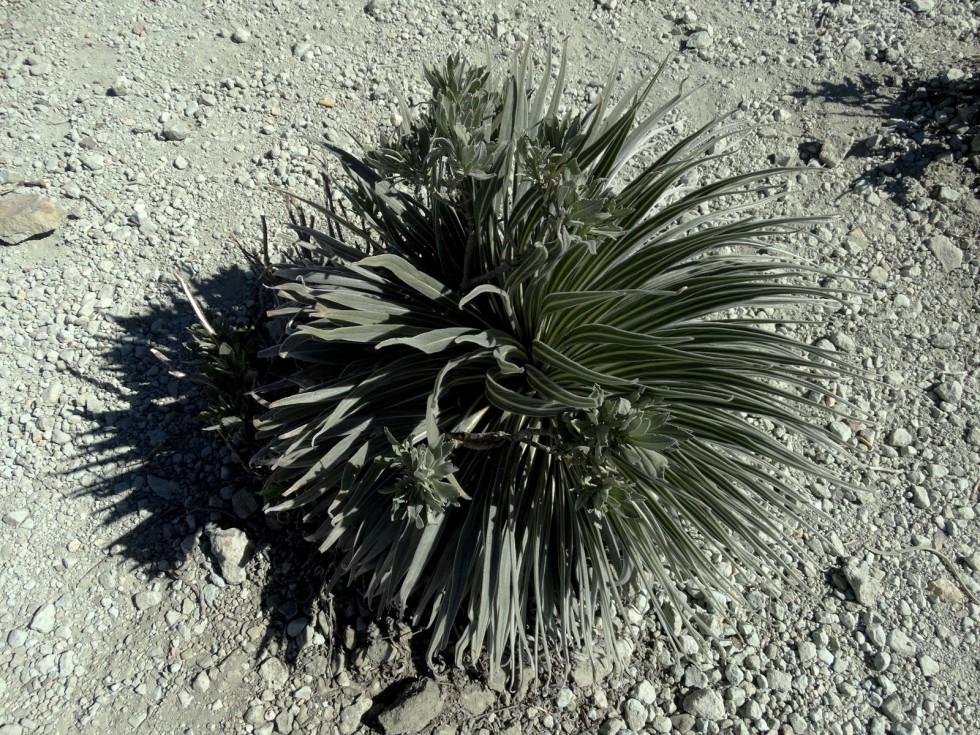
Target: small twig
x: 14, y: 185
x: 942, y: 557
x: 95, y: 204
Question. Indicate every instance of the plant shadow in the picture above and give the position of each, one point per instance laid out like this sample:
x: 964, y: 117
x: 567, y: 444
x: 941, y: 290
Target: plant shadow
x: 165, y: 479
x: 930, y: 120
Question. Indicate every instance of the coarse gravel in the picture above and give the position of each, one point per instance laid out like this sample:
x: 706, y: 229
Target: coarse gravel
x: 142, y: 591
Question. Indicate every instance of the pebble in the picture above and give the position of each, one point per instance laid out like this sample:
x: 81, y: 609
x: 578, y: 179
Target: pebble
x: 635, y: 714
x: 899, y: 438
x: 120, y: 87
x: 928, y: 665
x: 900, y: 643
x: 180, y: 163
x: 949, y: 256
x: 43, y: 619
x: 946, y: 591
x: 16, y: 518
x: 176, y: 129
x: 706, y: 703
x: 230, y: 546
x: 700, y: 40
x: 420, y: 704
x: 147, y: 599
x: 92, y: 161
x: 23, y: 216
x: 865, y: 587
x: 273, y: 673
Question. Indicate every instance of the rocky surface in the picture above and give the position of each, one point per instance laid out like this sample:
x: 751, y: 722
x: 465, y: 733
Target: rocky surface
x: 141, y: 590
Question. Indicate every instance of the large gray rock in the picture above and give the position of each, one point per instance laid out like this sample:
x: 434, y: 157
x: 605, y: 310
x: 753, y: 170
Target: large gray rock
x: 949, y: 256
x: 230, y: 546
x: 418, y: 706
x: 705, y: 703
x: 43, y: 620
x: 23, y: 216
x: 866, y: 588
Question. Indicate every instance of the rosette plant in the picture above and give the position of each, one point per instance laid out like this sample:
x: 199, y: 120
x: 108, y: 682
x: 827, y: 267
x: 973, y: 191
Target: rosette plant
x: 526, y: 367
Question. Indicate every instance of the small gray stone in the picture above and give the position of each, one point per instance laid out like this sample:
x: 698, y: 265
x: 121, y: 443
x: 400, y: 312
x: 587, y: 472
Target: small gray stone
x: 43, y: 620
x: 120, y: 87
x: 166, y: 489
x: 230, y: 546
x: 565, y: 698
x: 23, y: 216
x: 843, y: 342
x: 949, y: 256
x: 893, y: 708
x: 180, y: 163
x: 705, y: 703
x: 700, y: 40
x: 175, y: 129
x: 806, y: 651
x: 635, y: 714
x: 202, y: 682
x: 842, y: 431
x: 476, y: 699
x: 17, y: 637
x: 942, y: 340
x: 900, y: 643
x: 147, y: 599
x: 92, y: 161
x: 273, y: 673
x: 928, y: 665
x: 833, y: 150
x: 920, y: 497
x: 866, y: 588
x: 950, y: 391
x: 15, y: 518
x: 350, y: 716
x: 645, y: 692
x: 241, y: 35
x: 899, y: 438
x: 781, y: 681
x: 244, y: 503
x: 921, y: 6
x: 416, y: 708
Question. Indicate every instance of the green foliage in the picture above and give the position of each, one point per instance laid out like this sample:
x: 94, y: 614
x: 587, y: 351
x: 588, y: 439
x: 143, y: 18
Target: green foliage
x: 527, y: 370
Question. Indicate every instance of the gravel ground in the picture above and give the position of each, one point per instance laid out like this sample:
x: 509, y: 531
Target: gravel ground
x: 141, y: 590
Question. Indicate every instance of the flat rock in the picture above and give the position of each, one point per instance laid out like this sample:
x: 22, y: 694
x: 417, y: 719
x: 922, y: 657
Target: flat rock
x: 23, y: 216
x: 417, y: 707
x: 705, y: 703
x: 866, y: 588
x: 273, y: 673
x: 43, y: 620
x: 946, y: 591
x: 175, y: 129
x: 949, y: 256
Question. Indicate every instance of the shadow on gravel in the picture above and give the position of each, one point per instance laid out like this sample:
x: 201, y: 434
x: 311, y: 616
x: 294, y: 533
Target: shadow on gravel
x: 930, y: 120
x: 164, y: 477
